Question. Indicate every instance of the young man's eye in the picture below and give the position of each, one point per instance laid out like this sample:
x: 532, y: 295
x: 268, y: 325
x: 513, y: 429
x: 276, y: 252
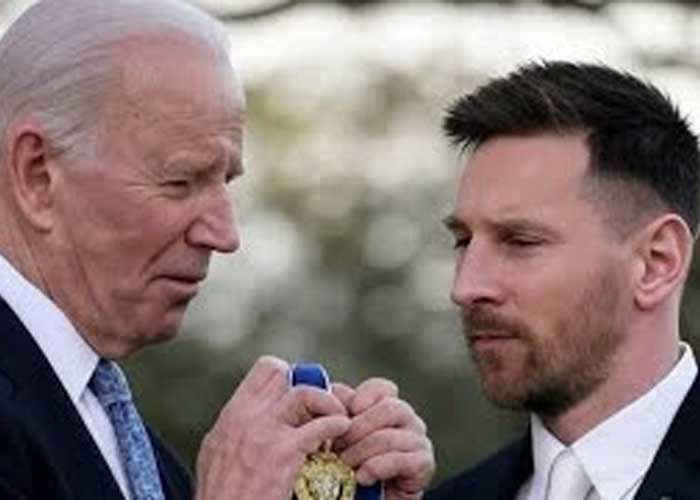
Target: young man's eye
x: 523, y: 241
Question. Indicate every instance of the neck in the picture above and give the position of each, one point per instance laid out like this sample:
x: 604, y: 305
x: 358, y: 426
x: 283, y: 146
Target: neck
x: 640, y: 363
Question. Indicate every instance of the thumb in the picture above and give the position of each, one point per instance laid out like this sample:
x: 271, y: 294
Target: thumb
x: 321, y: 429
x: 344, y: 393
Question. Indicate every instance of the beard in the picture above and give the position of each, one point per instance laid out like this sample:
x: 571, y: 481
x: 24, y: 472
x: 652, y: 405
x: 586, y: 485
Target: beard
x: 549, y: 372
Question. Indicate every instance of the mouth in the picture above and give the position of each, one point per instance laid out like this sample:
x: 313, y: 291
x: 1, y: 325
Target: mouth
x: 182, y: 285
x: 186, y: 278
x: 490, y: 339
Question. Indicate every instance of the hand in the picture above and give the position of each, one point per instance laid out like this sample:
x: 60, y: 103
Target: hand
x: 262, y: 436
x: 386, y: 441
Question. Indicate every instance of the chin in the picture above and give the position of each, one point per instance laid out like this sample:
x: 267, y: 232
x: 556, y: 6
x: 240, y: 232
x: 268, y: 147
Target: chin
x: 166, y: 333
x: 163, y: 325
x: 152, y: 336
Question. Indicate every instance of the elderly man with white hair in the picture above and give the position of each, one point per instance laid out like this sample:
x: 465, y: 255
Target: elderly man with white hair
x: 121, y: 128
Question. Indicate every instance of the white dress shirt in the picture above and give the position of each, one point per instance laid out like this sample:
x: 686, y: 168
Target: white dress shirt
x: 618, y: 452
x: 71, y: 358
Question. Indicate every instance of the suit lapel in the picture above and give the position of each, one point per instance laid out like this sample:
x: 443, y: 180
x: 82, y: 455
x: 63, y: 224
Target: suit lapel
x: 500, y: 477
x: 517, y: 468
x: 51, y: 418
x: 675, y: 471
x: 174, y: 477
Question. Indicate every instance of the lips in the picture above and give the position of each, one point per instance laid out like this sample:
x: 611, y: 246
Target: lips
x: 182, y: 285
x: 186, y: 278
x: 490, y: 336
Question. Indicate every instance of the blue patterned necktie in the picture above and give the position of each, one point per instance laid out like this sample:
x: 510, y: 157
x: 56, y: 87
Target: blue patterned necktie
x: 109, y: 385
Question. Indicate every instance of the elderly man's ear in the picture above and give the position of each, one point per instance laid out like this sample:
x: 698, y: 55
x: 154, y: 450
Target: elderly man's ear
x: 31, y: 175
x: 663, y: 258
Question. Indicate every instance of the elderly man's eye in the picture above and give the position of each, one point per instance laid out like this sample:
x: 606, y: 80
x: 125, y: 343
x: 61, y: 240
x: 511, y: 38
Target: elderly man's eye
x: 462, y: 242
x: 177, y: 187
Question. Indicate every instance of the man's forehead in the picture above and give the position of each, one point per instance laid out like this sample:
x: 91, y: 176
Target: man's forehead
x: 510, y: 175
x: 178, y: 90
x: 543, y: 149
x: 148, y: 60
x: 526, y: 160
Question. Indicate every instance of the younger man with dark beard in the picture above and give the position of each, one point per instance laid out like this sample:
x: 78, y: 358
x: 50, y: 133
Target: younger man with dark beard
x: 574, y: 226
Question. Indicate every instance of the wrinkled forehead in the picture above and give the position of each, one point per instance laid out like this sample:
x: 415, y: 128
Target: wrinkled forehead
x: 177, y: 103
x: 149, y: 62
x: 171, y: 79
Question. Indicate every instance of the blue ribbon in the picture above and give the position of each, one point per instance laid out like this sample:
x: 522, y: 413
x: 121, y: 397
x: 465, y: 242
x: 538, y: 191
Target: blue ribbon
x: 314, y: 374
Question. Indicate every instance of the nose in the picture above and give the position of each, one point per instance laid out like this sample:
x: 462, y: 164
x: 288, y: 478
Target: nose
x: 215, y: 227
x: 476, y: 280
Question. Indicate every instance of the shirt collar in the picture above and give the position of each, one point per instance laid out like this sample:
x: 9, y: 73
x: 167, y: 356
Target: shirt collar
x: 70, y: 356
x: 634, y: 434
x: 545, y: 448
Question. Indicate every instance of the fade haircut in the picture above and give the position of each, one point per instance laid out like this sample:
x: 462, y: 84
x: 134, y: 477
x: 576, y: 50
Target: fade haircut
x: 644, y: 158
x: 59, y: 63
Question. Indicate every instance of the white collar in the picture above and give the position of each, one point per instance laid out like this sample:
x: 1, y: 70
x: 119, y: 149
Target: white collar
x: 70, y: 356
x: 545, y: 448
x: 617, y: 453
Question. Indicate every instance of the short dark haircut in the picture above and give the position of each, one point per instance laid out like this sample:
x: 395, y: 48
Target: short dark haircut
x: 639, y: 143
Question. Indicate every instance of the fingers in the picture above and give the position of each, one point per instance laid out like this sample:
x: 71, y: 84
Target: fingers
x: 383, y: 441
x: 318, y: 415
x: 392, y: 453
x: 315, y: 432
x: 265, y: 431
x: 386, y: 441
x: 387, y: 413
x: 303, y: 403
x: 344, y: 393
x: 409, y: 472
x: 370, y: 392
x: 268, y: 376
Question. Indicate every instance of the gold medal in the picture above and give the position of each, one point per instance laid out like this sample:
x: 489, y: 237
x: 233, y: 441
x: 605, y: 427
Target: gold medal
x: 325, y: 477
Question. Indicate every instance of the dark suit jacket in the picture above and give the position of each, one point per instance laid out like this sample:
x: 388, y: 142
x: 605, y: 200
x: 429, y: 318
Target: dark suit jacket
x: 46, y: 452
x: 674, y: 474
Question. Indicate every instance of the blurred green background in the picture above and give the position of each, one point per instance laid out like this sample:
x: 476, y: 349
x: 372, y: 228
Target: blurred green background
x: 343, y: 258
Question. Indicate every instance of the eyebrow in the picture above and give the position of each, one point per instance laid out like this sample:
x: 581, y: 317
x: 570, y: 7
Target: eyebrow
x: 231, y: 158
x: 234, y: 156
x: 456, y: 225
x: 235, y: 166
x: 525, y: 225
x: 453, y: 223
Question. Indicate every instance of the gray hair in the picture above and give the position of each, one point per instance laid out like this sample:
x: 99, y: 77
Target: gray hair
x: 58, y: 62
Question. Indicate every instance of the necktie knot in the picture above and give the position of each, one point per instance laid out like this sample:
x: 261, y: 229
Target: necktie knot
x: 109, y: 384
x: 568, y: 479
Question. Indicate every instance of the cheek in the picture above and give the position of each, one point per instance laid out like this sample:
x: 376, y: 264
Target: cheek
x: 101, y: 228
x: 546, y: 299
x: 108, y: 243
x: 133, y: 222
x: 93, y: 214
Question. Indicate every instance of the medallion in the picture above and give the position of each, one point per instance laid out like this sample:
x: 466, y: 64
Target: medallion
x: 325, y: 477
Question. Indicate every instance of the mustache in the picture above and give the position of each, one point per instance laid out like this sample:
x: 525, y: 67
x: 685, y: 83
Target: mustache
x: 477, y: 320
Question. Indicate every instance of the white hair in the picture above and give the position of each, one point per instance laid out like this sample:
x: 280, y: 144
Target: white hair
x: 58, y: 61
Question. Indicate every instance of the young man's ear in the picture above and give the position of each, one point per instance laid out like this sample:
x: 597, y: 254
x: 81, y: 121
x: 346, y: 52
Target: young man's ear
x: 664, y: 251
x: 29, y: 175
